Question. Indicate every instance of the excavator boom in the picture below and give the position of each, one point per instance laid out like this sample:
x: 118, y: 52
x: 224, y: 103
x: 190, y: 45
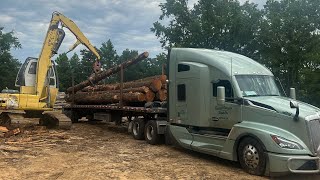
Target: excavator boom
x: 37, y: 79
x: 50, y: 46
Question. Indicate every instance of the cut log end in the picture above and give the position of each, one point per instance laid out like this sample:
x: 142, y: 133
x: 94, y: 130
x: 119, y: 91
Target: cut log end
x: 161, y: 95
x: 150, y: 96
x: 155, y: 85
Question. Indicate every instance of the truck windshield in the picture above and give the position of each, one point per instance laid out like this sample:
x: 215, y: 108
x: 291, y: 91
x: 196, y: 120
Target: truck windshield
x: 257, y: 85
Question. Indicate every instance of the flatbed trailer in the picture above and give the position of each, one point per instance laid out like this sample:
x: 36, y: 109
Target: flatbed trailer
x: 147, y: 123
x: 226, y: 105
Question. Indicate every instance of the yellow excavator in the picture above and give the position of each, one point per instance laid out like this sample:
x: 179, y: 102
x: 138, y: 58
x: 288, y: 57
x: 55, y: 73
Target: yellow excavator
x: 37, y: 79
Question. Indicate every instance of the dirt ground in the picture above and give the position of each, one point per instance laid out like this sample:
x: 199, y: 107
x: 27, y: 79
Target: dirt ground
x: 101, y: 151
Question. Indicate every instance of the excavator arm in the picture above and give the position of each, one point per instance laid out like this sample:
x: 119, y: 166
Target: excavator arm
x: 51, y: 45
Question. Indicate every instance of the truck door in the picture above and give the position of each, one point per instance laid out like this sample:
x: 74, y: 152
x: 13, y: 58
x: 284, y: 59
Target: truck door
x: 225, y: 116
x: 210, y: 137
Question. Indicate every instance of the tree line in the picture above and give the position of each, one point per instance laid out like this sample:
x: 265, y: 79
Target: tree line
x: 283, y: 35
x: 81, y: 68
x: 9, y: 65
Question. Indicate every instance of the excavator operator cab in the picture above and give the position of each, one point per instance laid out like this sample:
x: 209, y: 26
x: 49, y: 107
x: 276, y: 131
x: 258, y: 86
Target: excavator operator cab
x: 27, y: 74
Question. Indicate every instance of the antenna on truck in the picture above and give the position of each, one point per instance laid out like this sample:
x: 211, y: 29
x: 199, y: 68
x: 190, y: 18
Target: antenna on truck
x: 231, y: 70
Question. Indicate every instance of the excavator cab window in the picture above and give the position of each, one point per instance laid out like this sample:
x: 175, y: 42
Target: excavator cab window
x: 33, y: 68
x: 29, y: 66
x: 27, y: 74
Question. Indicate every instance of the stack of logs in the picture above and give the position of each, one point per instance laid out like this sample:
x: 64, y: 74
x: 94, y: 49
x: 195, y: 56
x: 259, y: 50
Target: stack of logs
x: 143, y: 90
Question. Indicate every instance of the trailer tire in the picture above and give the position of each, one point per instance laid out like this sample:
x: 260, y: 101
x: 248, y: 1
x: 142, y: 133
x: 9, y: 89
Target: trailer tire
x: 73, y: 115
x: 138, y: 128
x: 251, y: 156
x: 151, y: 133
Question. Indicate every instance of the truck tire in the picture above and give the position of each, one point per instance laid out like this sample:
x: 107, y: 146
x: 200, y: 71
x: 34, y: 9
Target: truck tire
x: 72, y: 115
x: 151, y: 133
x: 138, y: 128
x: 251, y: 156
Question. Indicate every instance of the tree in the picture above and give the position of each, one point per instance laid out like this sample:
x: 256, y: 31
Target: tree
x: 75, y: 66
x: 9, y: 66
x: 109, y: 58
x: 220, y: 24
x: 86, y: 63
x: 134, y: 71
x: 64, y: 72
x: 108, y: 55
x: 284, y: 35
x: 289, y: 44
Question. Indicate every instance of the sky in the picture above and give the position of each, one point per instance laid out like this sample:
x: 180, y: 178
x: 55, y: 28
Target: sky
x: 126, y: 22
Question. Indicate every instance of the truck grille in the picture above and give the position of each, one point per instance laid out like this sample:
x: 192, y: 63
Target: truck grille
x: 314, y: 128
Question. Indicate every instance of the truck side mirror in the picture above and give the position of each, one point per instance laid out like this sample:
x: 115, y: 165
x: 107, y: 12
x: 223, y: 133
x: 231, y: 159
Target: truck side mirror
x: 221, y: 95
x: 293, y: 93
x: 294, y: 104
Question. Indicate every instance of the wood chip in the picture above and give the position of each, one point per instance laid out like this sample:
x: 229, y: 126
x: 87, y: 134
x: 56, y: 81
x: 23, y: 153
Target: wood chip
x: 3, y: 129
x: 12, y: 132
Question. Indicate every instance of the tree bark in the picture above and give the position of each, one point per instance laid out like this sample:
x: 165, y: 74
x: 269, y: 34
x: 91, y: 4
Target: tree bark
x: 104, y: 98
x: 162, y: 78
x: 142, y: 89
x: 102, y: 75
x: 153, y: 84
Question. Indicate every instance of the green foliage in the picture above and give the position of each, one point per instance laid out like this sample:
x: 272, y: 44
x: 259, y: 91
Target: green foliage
x: 86, y: 63
x: 64, y: 71
x: 289, y: 45
x: 284, y: 35
x: 75, y: 65
x: 109, y: 58
x: 81, y: 69
x: 108, y: 54
x: 9, y: 66
x: 219, y: 24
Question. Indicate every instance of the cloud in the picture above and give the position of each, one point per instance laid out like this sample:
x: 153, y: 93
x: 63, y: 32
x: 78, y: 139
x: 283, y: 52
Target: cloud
x: 5, y: 19
x: 126, y: 22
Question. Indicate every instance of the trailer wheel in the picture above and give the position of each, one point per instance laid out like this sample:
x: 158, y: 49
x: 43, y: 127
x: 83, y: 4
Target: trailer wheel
x: 72, y: 115
x: 138, y: 128
x: 151, y: 133
x: 251, y: 156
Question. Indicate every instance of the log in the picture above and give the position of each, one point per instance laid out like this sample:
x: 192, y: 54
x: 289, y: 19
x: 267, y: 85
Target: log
x: 103, y: 74
x: 162, y: 78
x: 153, y: 84
x: 161, y: 95
x: 105, y: 87
x: 164, y: 86
x: 150, y: 96
x: 104, y: 98
x: 142, y: 89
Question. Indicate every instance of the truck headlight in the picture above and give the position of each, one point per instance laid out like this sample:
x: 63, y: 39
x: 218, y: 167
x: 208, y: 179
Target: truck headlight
x: 285, y: 143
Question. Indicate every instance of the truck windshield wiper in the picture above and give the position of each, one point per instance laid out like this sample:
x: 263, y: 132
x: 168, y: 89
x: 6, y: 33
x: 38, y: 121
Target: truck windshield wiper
x: 251, y: 95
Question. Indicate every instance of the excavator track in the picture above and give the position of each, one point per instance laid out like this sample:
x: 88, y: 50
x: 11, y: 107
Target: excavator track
x: 56, y: 119
x: 51, y: 119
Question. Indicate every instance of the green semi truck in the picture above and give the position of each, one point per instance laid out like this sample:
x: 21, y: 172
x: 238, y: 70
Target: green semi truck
x: 226, y: 105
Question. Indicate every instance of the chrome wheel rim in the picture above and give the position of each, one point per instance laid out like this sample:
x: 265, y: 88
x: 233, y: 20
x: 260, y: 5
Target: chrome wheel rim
x: 150, y: 132
x: 251, y: 156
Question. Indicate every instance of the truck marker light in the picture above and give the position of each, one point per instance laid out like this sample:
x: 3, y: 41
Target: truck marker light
x: 285, y: 143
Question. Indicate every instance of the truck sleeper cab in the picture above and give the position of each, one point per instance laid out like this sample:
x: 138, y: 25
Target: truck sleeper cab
x: 254, y: 124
